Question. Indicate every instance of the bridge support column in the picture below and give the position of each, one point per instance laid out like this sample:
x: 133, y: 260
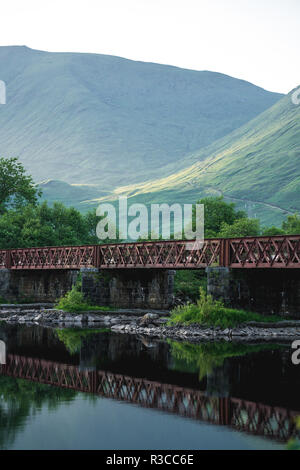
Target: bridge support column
x: 218, y: 283
x: 35, y: 285
x: 269, y: 291
x: 95, y: 286
x: 5, y: 279
x: 129, y: 288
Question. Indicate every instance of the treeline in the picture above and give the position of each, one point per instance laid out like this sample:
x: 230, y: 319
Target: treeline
x: 42, y: 225
x: 26, y: 222
x: 221, y: 219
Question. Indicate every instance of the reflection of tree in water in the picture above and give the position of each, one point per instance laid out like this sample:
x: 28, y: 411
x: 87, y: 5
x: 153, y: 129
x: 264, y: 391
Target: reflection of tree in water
x: 294, y: 443
x: 21, y: 399
x: 73, y: 337
x: 205, y: 357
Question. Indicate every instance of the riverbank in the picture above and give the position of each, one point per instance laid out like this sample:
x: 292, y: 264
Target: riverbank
x: 144, y: 322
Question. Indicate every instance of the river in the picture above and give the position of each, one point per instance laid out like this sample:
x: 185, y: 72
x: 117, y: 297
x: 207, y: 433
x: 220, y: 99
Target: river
x: 94, y: 389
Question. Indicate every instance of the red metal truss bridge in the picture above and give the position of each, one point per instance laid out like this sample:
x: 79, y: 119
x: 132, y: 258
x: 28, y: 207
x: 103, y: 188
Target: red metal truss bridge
x: 245, y: 416
x: 247, y: 252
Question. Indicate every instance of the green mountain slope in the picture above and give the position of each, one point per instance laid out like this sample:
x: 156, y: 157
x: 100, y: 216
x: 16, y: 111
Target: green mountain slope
x: 70, y: 194
x: 256, y: 166
x: 108, y: 121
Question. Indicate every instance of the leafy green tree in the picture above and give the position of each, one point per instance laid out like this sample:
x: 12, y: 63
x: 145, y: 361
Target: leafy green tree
x: 291, y: 226
x: 16, y: 187
x: 240, y: 228
x: 43, y: 225
x: 90, y: 220
x: 271, y: 231
x: 217, y: 212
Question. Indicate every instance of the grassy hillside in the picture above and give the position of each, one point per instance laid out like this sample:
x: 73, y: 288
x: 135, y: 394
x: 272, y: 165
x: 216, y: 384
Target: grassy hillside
x: 76, y: 195
x: 107, y: 121
x: 256, y: 166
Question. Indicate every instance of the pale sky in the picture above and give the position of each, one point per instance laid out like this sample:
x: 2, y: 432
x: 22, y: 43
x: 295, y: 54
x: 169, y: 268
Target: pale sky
x: 256, y: 40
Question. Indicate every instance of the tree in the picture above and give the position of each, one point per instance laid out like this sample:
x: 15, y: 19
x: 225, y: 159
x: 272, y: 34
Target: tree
x: 240, y: 228
x: 43, y: 225
x: 217, y: 212
x: 272, y: 231
x: 16, y: 188
x: 291, y: 226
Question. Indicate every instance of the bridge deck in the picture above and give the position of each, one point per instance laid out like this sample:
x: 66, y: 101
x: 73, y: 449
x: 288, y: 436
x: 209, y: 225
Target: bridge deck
x: 248, y: 252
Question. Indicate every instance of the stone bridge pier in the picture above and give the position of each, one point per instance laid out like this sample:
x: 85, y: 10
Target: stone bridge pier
x: 34, y: 285
x: 123, y: 288
x: 129, y: 288
x: 269, y: 291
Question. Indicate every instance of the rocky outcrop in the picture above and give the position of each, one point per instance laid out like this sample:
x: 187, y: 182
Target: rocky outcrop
x: 152, y: 324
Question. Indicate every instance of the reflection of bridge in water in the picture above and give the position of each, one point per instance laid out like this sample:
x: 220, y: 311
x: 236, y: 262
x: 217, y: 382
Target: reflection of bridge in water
x: 242, y: 415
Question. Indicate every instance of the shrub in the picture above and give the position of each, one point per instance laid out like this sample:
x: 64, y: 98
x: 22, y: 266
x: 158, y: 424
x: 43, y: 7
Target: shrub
x: 74, y: 302
x: 210, y: 312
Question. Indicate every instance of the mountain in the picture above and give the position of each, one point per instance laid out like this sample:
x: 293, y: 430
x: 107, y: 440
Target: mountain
x: 103, y: 121
x: 256, y: 166
x: 77, y: 195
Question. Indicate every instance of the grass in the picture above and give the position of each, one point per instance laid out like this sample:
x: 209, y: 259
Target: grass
x: 75, y: 302
x: 210, y: 312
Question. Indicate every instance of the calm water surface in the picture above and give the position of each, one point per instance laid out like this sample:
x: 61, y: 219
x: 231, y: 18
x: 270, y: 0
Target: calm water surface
x: 93, y: 389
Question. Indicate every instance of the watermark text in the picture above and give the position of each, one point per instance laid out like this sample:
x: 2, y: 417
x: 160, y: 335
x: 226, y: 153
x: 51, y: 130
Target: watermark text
x: 162, y: 222
x: 2, y: 92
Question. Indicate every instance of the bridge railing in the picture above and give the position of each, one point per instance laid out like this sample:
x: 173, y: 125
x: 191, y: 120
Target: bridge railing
x: 63, y: 257
x: 246, y: 252
x: 161, y: 254
x: 3, y: 260
x: 264, y: 252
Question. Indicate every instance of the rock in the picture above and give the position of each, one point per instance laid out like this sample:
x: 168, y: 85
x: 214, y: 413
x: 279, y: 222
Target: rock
x: 68, y: 319
x: 78, y: 319
x: 160, y: 321
x: 118, y: 327
x: 115, y: 321
x: 148, y: 318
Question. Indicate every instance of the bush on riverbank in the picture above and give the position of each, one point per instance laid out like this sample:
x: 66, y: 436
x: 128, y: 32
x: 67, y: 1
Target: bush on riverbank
x: 210, y: 312
x: 74, y: 302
